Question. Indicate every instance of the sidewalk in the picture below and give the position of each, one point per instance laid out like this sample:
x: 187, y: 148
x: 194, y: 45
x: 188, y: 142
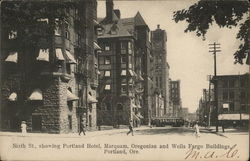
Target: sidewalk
x: 73, y: 135
x: 227, y: 131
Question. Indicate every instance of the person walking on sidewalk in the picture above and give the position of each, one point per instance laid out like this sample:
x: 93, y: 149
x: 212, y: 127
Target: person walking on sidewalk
x: 82, y: 128
x: 197, y: 130
x: 130, y: 128
x: 23, y: 127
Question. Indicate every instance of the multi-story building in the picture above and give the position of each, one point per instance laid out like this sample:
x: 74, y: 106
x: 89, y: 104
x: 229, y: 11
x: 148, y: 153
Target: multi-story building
x: 160, y: 66
x: 233, y: 99
x: 175, y: 97
x: 124, y: 42
x: 47, y: 65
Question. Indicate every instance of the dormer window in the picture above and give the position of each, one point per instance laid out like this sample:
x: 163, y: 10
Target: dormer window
x: 114, y: 29
x: 12, y: 35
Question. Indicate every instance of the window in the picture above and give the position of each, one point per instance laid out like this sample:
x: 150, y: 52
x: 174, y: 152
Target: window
x: 123, y: 88
x: 99, y: 31
x: 225, y: 95
x: 67, y: 35
x: 123, y: 59
x: 107, y: 46
x: 107, y: 73
x: 70, y: 121
x: 129, y: 45
x: 68, y: 68
x: 107, y: 60
x: 57, y: 29
x: 123, y: 45
x: 101, y: 59
x: 231, y: 106
x: 113, y: 32
x: 12, y: 35
x: 231, y: 95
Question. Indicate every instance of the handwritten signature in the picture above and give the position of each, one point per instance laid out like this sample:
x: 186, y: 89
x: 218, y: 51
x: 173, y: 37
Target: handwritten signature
x: 196, y: 154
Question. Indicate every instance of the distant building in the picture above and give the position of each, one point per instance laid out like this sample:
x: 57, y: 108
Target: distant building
x: 123, y: 66
x: 49, y: 85
x: 233, y: 99
x: 161, y: 66
x: 184, y: 113
x: 175, y: 97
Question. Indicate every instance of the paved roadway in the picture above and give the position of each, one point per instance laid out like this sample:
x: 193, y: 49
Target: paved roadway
x: 181, y: 136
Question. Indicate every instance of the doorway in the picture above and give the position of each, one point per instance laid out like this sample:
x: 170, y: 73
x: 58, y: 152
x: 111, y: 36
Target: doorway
x: 36, y: 123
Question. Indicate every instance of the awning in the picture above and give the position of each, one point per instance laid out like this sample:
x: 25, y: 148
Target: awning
x: 225, y: 105
x: 13, y: 96
x: 96, y: 46
x: 107, y: 87
x: 59, y: 54
x: 91, y: 99
x: 12, y: 57
x: 71, y: 96
x: 140, y: 77
x: 133, y: 105
x: 124, y: 72
x: 71, y: 58
x: 131, y: 72
x: 140, y: 116
x: 107, y: 73
x: 36, y: 95
x: 135, y: 117
x: 43, y: 55
x: 233, y: 117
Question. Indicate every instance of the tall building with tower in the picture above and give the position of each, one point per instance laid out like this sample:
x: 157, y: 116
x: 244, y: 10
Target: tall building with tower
x: 123, y: 68
x: 161, y: 67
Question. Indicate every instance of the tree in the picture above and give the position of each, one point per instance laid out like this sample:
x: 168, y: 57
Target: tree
x: 225, y: 13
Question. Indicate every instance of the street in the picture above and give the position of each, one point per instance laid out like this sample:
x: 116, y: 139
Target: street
x: 175, y: 141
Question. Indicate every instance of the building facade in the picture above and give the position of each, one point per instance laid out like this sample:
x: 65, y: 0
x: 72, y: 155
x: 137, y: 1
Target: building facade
x: 122, y: 87
x: 47, y: 81
x: 233, y: 99
x: 160, y: 66
x: 175, y: 97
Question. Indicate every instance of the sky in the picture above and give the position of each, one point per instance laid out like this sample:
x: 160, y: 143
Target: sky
x: 188, y: 56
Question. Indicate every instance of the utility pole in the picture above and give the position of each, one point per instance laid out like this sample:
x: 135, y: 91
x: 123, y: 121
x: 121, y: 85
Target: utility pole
x: 214, y: 48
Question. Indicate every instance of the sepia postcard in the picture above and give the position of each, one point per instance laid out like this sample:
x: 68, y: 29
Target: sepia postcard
x: 135, y: 80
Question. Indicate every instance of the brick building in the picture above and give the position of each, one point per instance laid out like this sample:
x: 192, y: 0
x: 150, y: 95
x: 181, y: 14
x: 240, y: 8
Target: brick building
x: 122, y: 89
x: 175, y: 97
x: 233, y: 99
x: 49, y: 85
x: 161, y: 66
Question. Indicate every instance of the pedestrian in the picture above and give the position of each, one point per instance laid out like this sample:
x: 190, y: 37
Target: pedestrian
x: 82, y: 128
x: 197, y: 130
x: 23, y: 127
x: 223, y: 126
x: 130, y: 128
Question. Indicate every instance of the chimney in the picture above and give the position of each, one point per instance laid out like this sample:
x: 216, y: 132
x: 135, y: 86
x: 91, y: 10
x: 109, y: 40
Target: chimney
x: 158, y: 26
x: 109, y: 9
x: 117, y: 13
